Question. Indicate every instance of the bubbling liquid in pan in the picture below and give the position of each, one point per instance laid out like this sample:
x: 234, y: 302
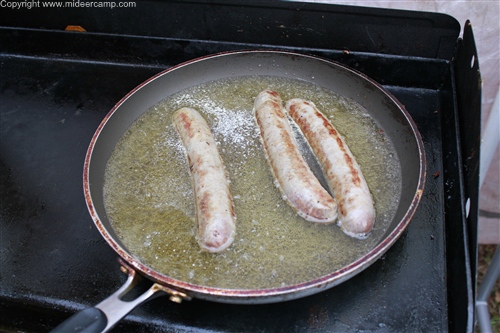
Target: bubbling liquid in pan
x: 150, y: 201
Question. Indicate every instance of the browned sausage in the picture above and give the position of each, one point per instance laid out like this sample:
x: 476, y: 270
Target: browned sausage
x: 343, y: 174
x: 214, y: 204
x: 299, y: 186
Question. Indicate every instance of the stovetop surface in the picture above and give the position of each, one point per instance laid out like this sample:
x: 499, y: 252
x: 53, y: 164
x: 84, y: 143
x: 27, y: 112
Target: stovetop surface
x: 54, y: 261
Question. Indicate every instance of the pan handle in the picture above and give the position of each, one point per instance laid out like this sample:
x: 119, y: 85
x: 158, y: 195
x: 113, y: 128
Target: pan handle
x: 106, y: 314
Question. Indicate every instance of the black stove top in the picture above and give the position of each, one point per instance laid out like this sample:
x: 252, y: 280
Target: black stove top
x: 57, y: 86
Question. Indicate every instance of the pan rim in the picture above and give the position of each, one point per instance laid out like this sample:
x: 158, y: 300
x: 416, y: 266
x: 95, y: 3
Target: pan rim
x: 262, y: 295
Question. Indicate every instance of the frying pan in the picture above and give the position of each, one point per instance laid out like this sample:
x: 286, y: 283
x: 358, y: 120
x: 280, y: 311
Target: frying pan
x: 381, y: 105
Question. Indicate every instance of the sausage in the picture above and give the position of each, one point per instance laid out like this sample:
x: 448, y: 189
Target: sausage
x: 300, y: 188
x: 214, y: 204
x: 343, y: 174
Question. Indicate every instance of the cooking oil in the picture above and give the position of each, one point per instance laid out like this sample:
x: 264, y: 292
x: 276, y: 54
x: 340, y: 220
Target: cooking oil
x: 150, y: 201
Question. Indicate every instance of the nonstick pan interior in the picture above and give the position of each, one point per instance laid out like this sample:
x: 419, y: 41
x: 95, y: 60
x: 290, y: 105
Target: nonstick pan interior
x: 382, y: 106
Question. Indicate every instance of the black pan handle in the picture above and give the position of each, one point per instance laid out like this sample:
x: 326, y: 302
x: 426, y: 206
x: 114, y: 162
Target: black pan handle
x: 106, y: 314
x: 85, y: 321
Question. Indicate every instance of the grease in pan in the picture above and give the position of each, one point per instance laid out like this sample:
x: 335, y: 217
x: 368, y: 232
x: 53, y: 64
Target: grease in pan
x: 149, y: 196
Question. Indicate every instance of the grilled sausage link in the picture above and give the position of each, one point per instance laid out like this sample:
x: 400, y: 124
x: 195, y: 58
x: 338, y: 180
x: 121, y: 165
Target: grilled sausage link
x: 214, y: 204
x: 298, y: 184
x: 343, y: 174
